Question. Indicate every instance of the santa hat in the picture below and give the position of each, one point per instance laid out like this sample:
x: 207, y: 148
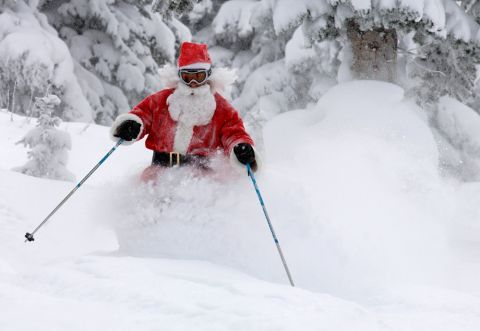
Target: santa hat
x: 194, y: 56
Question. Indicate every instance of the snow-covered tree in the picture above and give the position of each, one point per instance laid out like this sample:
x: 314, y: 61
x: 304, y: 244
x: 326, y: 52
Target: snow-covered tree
x: 472, y: 8
x: 33, y: 61
x: 21, y: 82
x: 289, y: 52
x: 167, y: 8
x: 242, y: 35
x: 118, y: 47
x: 445, y: 67
x: 48, y: 145
x: 370, y: 34
x: 202, y: 14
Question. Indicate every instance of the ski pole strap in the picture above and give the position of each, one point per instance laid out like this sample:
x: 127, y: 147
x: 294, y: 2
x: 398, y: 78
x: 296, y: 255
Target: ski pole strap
x: 275, y: 239
x: 28, y: 235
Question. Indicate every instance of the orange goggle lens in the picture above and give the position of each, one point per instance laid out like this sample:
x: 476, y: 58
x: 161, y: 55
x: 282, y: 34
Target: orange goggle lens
x: 198, y: 76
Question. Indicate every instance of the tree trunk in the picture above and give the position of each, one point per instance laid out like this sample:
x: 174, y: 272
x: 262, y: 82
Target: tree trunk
x: 13, y: 100
x: 374, y: 52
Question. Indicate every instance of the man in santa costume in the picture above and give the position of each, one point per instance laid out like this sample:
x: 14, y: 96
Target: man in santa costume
x: 189, y: 121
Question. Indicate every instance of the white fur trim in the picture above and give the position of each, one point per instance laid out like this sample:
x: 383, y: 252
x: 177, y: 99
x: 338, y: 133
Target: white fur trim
x: 198, y: 65
x: 240, y: 167
x: 122, y: 118
x: 183, y: 135
x: 220, y: 81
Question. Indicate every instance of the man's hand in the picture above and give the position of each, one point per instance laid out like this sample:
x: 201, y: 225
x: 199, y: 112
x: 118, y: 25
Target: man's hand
x: 128, y: 130
x: 245, y: 154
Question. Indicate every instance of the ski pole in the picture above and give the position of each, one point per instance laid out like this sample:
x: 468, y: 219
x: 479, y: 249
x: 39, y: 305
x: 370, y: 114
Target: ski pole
x: 29, y: 236
x: 275, y: 239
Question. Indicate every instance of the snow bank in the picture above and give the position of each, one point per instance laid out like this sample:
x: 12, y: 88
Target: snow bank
x: 460, y: 124
x: 460, y: 130
x: 367, y: 163
x: 352, y: 187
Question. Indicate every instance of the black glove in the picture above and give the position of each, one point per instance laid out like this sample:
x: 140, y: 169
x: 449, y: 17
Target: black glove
x: 245, y: 154
x: 128, y: 130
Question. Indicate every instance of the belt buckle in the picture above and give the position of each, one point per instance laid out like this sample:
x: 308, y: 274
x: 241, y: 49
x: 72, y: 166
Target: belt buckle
x: 171, y: 157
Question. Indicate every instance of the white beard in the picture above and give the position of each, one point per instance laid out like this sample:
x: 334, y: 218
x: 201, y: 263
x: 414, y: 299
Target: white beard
x: 190, y: 107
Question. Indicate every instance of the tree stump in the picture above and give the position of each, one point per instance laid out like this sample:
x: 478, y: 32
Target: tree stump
x: 374, y: 52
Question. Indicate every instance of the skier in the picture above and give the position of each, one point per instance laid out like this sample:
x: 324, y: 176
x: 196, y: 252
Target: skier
x: 188, y: 122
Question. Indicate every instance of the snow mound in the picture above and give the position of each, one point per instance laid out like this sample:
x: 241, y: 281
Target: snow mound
x: 352, y: 187
x: 461, y: 124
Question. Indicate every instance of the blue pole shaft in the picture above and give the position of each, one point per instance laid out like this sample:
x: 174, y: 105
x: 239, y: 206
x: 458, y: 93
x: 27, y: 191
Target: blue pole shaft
x: 275, y: 239
x: 29, y: 236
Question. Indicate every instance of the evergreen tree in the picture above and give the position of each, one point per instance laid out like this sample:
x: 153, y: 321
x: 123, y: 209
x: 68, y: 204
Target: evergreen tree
x: 33, y: 61
x: 445, y: 67
x: 167, y: 8
x: 48, y: 145
x: 289, y: 52
x: 322, y: 41
x: 242, y: 36
x: 118, y: 47
x: 202, y: 14
x: 472, y: 8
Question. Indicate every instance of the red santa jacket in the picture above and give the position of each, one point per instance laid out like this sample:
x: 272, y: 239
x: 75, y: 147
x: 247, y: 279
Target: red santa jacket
x: 224, y: 130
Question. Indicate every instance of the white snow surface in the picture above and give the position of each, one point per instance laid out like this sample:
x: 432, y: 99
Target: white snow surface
x: 375, y: 238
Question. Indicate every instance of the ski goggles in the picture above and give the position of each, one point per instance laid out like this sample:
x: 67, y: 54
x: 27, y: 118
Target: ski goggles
x: 198, y: 76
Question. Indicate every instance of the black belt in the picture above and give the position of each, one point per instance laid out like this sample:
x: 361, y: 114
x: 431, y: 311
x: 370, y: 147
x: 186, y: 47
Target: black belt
x: 176, y: 159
